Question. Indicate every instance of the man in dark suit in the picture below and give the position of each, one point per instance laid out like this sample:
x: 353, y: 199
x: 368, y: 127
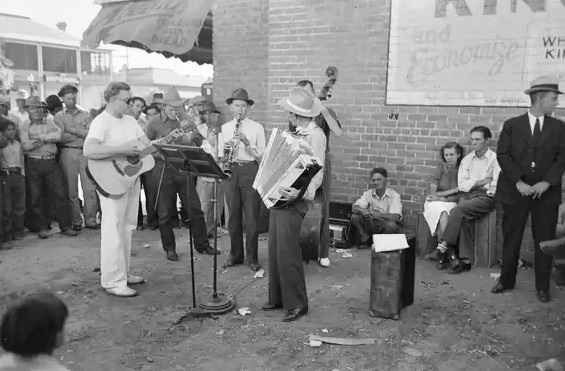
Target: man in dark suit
x: 531, y: 154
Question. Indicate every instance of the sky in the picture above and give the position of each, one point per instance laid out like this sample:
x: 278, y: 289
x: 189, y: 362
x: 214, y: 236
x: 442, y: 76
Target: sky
x: 78, y: 14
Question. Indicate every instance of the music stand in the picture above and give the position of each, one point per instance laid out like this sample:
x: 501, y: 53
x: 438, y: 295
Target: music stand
x: 195, y: 161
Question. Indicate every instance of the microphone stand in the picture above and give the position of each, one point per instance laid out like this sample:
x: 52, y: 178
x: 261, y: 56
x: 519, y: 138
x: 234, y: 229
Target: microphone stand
x: 218, y: 303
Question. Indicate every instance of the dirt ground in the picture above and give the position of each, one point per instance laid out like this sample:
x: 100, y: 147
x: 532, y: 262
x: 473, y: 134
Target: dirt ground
x: 454, y: 324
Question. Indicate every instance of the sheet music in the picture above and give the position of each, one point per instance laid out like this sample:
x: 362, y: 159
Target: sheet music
x: 389, y: 242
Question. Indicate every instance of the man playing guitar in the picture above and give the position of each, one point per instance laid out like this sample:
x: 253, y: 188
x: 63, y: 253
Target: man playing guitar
x: 112, y: 134
x: 171, y: 182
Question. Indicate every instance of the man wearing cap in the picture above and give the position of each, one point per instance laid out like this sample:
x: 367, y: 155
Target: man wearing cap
x: 20, y: 111
x: 5, y: 110
x: 241, y: 146
x: 39, y: 139
x: 287, y: 284
x: 74, y: 124
x: 201, y: 109
x: 170, y: 182
x: 531, y: 154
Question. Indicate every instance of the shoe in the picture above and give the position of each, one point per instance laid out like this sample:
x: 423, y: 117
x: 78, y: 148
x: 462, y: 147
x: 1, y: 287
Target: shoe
x: 324, y: 262
x: 543, y: 296
x: 124, y: 292
x: 553, y: 247
x: 95, y: 226
x: 43, y: 234
x: 17, y: 238
x: 464, y: 266
x: 69, y: 232
x: 210, y: 251
x: 231, y: 263
x: 442, y: 260
x: 294, y: 314
x: 254, y: 266
x: 433, y: 256
x: 453, y: 259
x: 499, y: 288
x: 140, y: 227
x: 268, y: 307
x: 135, y: 280
x: 172, y: 256
x: 77, y: 228
x: 154, y: 227
x: 49, y: 227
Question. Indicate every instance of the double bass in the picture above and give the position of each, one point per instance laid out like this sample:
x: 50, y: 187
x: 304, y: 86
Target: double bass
x: 314, y: 223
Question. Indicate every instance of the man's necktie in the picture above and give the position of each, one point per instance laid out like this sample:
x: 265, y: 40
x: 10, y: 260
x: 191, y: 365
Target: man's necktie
x: 537, y: 132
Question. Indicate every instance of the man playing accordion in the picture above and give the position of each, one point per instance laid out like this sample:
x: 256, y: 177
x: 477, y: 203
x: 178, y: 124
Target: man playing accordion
x: 287, y: 284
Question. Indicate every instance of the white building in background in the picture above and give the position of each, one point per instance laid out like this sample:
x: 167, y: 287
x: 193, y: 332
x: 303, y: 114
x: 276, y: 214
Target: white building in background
x: 47, y: 58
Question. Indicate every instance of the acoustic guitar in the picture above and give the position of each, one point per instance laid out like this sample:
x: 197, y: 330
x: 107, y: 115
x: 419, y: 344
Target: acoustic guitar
x: 113, y: 176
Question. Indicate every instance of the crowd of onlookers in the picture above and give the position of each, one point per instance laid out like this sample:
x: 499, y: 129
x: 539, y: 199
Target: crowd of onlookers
x: 42, y: 166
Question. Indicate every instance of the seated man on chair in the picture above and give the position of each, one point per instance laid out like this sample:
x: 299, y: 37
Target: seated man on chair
x: 557, y: 247
x: 476, y: 179
x: 378, y: 210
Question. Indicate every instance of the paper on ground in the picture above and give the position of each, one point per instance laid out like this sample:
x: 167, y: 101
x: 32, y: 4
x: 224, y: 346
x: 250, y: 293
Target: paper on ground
x: 389, y: 242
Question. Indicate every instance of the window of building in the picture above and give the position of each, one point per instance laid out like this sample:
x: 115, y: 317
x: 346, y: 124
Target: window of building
x: 93, y: 63
x: 59, y: 60
x: 24, y: 56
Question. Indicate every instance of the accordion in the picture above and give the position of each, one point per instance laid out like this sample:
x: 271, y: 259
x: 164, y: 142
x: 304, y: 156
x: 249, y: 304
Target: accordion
x: 289, y: 161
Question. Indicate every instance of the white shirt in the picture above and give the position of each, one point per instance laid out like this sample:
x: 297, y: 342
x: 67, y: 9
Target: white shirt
x: 533, y: 121
x: 316, y: 138
x: 113, y: 131
x: 206, y: 146
x: 475, y: 168
x: 22, y: 116
x: 254, y: 132
x: 12, y: 362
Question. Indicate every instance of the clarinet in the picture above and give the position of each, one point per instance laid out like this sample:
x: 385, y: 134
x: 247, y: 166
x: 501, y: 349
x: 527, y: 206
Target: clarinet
x: 231, y: 153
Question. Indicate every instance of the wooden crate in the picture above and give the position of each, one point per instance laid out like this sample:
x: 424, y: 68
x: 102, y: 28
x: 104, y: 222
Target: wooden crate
x: 480, y: 238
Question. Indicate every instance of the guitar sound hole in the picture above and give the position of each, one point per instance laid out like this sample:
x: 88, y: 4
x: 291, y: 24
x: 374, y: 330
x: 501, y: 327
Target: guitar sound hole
x: 134, y: 160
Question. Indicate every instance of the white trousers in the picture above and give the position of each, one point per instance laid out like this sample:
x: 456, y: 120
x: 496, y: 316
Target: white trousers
x: 119, y: 219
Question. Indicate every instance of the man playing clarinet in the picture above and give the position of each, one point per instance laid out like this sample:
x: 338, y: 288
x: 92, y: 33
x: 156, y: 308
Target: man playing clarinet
x: 287, y: 284
x: 242, y: 141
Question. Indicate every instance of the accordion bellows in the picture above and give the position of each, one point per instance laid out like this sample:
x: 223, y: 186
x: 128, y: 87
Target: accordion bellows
x: 289, y: 161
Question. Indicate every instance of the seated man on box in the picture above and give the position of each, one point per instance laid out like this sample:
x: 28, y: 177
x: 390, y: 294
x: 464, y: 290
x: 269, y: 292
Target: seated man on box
x: 378, y: 210
x: 476, y: 179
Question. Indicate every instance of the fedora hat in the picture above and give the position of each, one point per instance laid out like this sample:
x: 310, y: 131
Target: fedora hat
x: 240, y: 94
x: 301, y: 102
x: 171, y: 97
x: 35, y: 102
x: 544, y: 83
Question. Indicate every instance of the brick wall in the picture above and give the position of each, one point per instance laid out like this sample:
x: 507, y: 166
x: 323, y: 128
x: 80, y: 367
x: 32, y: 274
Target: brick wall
x: 305, y: 36
x: 241, y: 53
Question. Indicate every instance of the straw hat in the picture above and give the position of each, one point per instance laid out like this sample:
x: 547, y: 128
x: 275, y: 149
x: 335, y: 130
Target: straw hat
x: 301, y: 102
x: 544, y: 83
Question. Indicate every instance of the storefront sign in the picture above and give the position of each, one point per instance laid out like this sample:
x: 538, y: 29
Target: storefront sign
x: 63, y: 79
x: 473, y: 52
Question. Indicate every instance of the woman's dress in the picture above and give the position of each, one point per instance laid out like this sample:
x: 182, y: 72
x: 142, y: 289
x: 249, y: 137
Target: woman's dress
x: 445, y: 179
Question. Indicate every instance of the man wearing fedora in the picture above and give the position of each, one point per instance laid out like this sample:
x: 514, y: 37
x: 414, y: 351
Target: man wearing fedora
x: 531, y: 154
x: 20, y: 111
x: 43, y: 172
x: 74, y: 122
x: 170, y: 182
x: 242, y: 143
x: 201, y: 110
x: 287, y: 284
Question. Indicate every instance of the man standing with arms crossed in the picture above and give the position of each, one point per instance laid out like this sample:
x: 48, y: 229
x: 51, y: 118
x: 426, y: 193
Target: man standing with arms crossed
x: 111, y: 134
x: 74, y: 124
x: 531, y: 154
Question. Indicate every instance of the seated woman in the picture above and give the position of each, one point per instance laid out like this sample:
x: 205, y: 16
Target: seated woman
x: 31, y: 331
x: 443, y: 196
